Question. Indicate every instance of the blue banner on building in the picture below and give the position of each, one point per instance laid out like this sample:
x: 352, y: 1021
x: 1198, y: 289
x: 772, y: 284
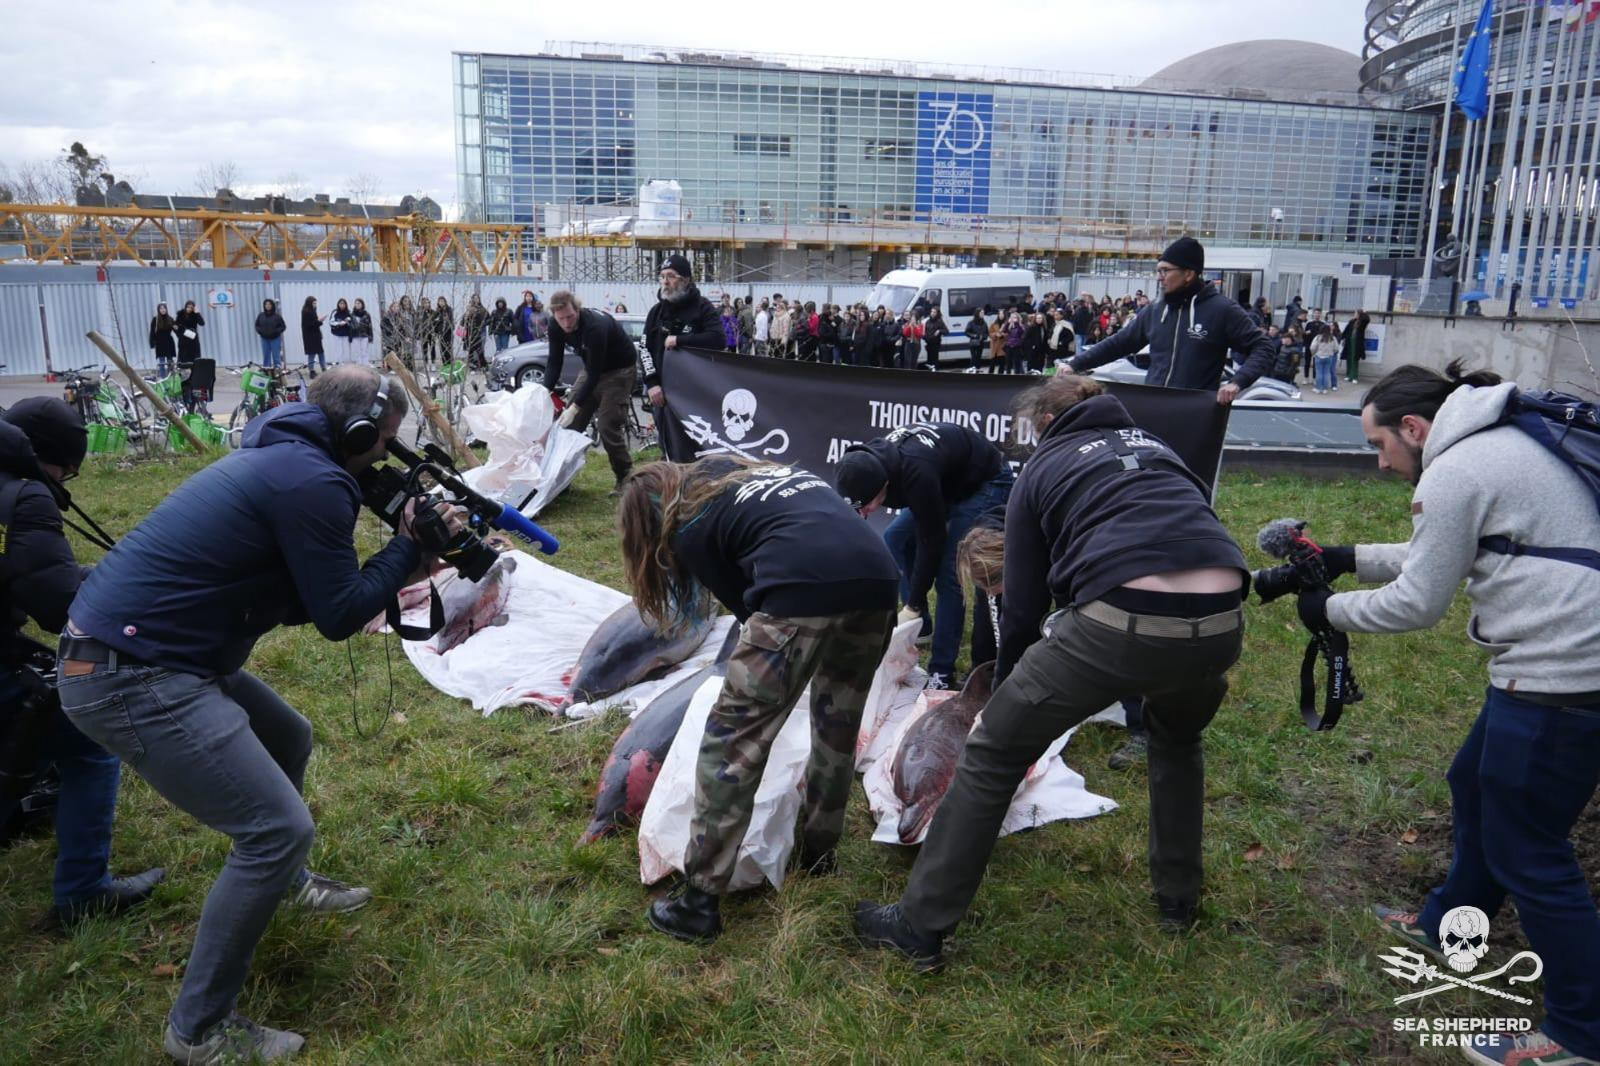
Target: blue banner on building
x: 953, y: 139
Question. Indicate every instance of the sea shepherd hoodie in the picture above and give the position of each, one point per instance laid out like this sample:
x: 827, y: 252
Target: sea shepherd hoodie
x: 1538, y: 618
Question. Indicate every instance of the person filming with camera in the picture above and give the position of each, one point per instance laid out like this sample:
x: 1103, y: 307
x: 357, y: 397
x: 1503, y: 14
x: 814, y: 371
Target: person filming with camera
x: 1499, y: 509
x: 152, y: 656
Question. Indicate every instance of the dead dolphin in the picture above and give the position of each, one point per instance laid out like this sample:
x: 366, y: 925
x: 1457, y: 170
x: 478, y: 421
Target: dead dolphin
x: 926, y: 760
x: 630, y: 773
x: 626, y: 650
x: 470, y: 606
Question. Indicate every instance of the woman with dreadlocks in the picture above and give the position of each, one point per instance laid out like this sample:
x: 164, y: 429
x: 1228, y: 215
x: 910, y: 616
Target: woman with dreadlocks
x: 815, y: 590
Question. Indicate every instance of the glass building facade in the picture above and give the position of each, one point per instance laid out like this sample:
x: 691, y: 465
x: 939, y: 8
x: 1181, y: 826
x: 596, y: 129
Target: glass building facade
x: 753, y: 144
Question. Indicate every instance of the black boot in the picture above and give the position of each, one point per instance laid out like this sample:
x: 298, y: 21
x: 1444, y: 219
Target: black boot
x: 1176, y: 915
x: 687, y: 914
x: 124, y: 894
x: 882, y: 925
x: 815, y: 863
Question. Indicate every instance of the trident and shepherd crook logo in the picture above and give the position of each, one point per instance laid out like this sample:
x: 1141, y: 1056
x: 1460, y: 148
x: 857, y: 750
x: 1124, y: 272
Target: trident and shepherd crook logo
x: 1464, y: 937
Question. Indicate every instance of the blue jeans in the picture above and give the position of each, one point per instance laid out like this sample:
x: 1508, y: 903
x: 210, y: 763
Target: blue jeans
x: 84, y: 808
x: 1324, y: 365
x: 1517, y: 786
x: 502, y: 341
x: 314, y: 360
x: 950, y: 612
x: 229, y: 751
x: 271, y: 351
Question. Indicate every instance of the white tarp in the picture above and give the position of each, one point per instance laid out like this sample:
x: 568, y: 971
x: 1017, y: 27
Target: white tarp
x: 551, y: 615
x: 527, y: 450
x: 1050, y: 792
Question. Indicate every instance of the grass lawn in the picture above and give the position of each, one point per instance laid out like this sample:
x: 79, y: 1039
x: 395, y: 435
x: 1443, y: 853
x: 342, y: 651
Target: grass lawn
x: 493, y: 940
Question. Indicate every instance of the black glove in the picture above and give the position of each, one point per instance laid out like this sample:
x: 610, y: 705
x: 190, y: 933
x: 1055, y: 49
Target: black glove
x: 1313, y: 608
x: 1338, y: 559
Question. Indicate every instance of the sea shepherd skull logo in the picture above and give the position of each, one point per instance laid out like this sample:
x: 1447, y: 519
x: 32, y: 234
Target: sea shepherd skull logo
x: 1464, y: 936
x: 738, y: 422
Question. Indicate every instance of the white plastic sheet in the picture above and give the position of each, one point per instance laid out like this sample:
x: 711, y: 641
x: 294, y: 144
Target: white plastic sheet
x: 1050, y: 792
x: 550, y: 616
x: 664, y: 826
x: 527, y: 450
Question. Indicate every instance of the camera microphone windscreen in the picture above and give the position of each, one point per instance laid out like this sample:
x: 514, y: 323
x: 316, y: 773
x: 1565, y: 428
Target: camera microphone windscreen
x: 1277, y: 538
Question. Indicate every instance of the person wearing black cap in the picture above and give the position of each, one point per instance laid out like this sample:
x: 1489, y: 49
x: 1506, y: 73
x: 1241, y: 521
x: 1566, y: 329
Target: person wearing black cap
x: 681, y: 318
x: 42, y: 444
x: 1189, y: 331
x: 943, y: 477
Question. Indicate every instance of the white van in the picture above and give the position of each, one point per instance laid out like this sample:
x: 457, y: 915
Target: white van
x: 957, y: 292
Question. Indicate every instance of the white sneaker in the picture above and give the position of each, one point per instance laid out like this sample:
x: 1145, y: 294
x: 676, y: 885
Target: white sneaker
x: 938, y: 681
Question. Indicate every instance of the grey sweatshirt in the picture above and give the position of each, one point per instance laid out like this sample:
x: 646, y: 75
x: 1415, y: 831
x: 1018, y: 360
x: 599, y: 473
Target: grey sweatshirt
x: 1539, y: 619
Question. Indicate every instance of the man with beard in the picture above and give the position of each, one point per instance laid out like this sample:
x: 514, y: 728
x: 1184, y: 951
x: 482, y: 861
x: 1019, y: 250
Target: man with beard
x: 1189, y: 331
x: 681, y: 318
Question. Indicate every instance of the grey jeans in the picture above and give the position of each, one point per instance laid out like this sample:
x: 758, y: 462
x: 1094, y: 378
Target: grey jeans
x: 1079, y: 668
x: 232, y: 753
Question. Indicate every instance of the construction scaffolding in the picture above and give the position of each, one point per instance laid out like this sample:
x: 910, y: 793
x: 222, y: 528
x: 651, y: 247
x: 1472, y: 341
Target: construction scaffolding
x: 67, y: 234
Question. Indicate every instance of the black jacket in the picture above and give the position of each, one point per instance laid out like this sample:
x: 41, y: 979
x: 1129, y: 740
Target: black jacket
x: 694, y: 320
x: 501, y: 324
x: 1089, y: 535
x: 277, y: 519
x: 1189, y: 335
x: 270, y: 324
x: 600, y: 342
x: 189, y: 347
x: 756, y: 548
x: 38, y: 575
x: 163, y: 337
x: 360, y: 325
x: 339, y: 323
x: 931, y: 466
x: 1290, y: 355
x: 310, y: 331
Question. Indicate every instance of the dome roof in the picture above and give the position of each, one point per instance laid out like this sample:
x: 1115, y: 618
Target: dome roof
x: 1275, y: 67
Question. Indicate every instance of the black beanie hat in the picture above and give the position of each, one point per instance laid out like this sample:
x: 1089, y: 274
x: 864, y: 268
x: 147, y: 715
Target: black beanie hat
x: 1186, y: 253
x: 678, y: 264
x: 859, y: 477
x: 54, y: 429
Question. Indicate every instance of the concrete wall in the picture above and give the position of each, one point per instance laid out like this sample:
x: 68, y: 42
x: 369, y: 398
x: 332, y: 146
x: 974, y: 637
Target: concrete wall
x: 1536, y: 355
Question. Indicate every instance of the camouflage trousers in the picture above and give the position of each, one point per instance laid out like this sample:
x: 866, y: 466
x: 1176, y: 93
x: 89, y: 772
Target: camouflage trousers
x: 771, y: 664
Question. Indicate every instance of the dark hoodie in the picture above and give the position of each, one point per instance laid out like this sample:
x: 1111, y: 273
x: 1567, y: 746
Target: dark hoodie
x: 1089, y: 532
x: 693, y: 319
x: 38, y: 575
x: 1190, y: 334
x: 755, y: 548
x: 932, y: 465
x: 273, y: 528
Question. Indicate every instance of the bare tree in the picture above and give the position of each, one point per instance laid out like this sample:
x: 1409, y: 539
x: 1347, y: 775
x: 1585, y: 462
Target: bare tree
x: 291, y: 186
x: 217, y: 174
x: 362, y: 187
x: 82, y: 168
x: 32, y: 182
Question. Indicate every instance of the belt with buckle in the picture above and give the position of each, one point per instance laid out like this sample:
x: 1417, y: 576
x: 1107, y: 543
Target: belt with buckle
x: 80, y: 654
x: 1160, y: 625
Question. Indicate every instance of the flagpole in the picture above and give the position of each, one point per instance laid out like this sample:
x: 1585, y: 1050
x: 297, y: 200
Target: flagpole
x: 1525, y: 181
x: 1539, y: 269
x: 1439, y: 160
x: 1578, y: 187
x: 1559, y: 178
x: 1507, y: 185
x: 1486, y: 142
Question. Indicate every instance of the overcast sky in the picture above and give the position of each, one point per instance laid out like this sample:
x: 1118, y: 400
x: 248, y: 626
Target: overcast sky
x: 324, y: 91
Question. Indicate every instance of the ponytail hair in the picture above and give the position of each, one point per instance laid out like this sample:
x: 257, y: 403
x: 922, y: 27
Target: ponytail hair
x: 1418, y: 390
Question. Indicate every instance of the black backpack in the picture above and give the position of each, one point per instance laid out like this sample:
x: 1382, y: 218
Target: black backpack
x: 1570, y: 429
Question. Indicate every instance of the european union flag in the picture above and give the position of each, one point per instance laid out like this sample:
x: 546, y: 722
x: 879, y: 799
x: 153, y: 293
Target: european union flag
x: 1472, y: 71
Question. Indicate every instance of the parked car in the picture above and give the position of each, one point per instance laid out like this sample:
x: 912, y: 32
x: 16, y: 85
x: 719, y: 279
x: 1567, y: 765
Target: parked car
x: 524, y: 364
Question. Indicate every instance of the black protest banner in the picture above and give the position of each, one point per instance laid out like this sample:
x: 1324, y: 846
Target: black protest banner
x: 807, y: 414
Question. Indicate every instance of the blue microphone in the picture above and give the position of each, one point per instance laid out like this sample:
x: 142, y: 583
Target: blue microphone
x: 517, y: 524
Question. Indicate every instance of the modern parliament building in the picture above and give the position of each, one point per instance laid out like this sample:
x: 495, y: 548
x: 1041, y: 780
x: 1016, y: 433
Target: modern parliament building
x: 1266, y: 143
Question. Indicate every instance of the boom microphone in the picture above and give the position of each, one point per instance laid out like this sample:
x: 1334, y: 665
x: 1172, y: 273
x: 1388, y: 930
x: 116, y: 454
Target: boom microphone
x: 1278, y: 538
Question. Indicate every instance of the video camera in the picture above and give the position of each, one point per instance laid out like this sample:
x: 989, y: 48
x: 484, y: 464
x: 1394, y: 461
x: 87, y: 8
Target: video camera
x: 432, y: 478
x: 22, y: 729
x: 1306, y: 570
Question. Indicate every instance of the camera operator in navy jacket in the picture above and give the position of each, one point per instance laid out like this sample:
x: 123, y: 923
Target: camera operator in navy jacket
x: 151, y: 667
x: 1190, y: 331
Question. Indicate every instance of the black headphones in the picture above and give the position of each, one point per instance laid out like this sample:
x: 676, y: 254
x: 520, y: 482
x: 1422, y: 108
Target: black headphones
x: 360, y: 434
